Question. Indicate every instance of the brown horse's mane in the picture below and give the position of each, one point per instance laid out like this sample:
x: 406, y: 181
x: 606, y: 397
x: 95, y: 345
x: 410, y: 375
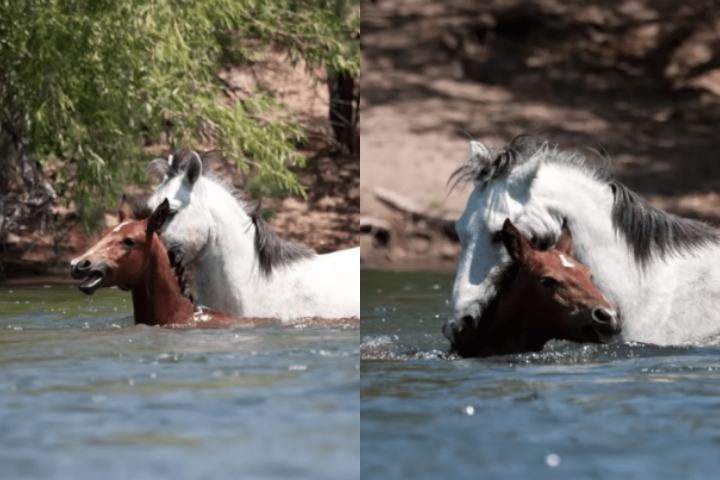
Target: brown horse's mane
x: 140, y: 211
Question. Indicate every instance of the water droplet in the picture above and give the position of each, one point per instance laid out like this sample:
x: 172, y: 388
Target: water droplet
x: 297, y: 368
x: 436, y: 286
x: 552, y: 460
x: 131, y: 382
x: 469, y: 410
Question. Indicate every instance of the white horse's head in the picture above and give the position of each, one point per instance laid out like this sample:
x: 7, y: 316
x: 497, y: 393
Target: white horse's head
x: 502, y: 189
x: 189, y: 225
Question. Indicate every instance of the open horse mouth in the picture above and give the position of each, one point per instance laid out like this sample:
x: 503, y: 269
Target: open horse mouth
x: 92, y: 280
x: 91, y: 283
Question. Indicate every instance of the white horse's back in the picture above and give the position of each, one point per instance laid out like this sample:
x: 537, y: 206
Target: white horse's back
x: 333, y: 281
x: 240, y: 265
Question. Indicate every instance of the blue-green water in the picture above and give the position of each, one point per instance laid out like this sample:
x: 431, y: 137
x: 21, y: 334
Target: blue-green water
x: 84, y: 394
x: 617, y: 411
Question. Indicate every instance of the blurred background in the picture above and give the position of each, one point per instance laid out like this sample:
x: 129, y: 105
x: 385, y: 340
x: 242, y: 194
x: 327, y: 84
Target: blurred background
x: 91, y: 91
x: 637, y: 78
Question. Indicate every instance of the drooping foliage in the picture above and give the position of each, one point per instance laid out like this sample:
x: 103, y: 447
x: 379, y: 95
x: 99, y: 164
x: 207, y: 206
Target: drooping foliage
x: 86, y: 85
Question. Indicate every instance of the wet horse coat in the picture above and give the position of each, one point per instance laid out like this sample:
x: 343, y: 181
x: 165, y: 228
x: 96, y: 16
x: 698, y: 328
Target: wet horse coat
x: 542, y: 295
x: 132, y: 257
x: 662, y: 271
x: 238, y: 263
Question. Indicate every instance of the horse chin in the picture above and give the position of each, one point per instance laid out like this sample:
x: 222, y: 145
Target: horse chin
x: 92, y: 282
x: 483, y: 340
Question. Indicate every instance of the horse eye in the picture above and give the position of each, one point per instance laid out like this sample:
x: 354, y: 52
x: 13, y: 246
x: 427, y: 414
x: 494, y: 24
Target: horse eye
x: 548, y: 282
x: 128, y: 242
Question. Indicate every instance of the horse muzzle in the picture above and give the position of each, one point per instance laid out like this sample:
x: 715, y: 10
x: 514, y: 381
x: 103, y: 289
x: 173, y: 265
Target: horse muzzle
x: 92, y: 274
x: 605, y: 323
x: 467, y: 334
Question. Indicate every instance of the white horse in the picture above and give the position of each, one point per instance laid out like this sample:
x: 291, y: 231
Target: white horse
x: 239, y: 264
x: 662, y: 271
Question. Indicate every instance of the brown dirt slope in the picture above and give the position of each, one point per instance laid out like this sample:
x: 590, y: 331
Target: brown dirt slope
x: 638, y: 78
x: 326, y: 220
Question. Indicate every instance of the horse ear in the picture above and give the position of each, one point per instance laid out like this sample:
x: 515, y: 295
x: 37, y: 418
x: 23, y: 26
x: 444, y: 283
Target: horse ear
x: 194, y: 168
x: 565, y: 242
x: 124, y: 210
x: 514, y: 241
x: 157, y: 218
x: 523, y: 174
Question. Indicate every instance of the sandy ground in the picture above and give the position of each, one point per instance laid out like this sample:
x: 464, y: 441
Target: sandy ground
x: 576, y: 73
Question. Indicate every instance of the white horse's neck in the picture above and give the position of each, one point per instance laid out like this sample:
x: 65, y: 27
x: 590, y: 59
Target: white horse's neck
x: 230, y: 261
x: 229, y: 276
x: 667, y: 301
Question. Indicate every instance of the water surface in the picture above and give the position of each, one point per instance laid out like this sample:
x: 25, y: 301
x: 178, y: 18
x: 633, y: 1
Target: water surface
x: 85, y: 394
x: 573, y: 411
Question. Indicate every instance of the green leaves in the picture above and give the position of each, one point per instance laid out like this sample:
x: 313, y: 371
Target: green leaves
x: 91, y: 83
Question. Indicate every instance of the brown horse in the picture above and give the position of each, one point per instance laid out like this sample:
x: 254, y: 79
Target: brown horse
x: 544, y: 294
x: 132, y: 257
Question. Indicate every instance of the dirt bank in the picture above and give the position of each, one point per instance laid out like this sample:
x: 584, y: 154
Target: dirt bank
x: 326, y: 219
x: 640, y: 79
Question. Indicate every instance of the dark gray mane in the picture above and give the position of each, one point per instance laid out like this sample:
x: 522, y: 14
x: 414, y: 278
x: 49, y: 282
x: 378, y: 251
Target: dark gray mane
x: 182, y: 275
x: 140, y: 211
x: 649, y: 232
x: 138, y: 207
x: 274, y: 252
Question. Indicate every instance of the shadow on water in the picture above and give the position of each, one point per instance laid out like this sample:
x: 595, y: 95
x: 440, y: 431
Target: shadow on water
x: 570, y: 411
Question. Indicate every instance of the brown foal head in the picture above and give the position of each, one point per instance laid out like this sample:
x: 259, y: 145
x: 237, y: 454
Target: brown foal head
x: 123, y: 254
x: 544, y: 294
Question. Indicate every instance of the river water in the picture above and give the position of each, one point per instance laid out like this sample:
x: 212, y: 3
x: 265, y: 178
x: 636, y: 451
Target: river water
x: 573, y: 411
x: 85, y: 394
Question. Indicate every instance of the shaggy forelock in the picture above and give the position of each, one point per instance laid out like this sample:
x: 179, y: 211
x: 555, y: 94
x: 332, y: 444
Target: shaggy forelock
x: 485, y: 164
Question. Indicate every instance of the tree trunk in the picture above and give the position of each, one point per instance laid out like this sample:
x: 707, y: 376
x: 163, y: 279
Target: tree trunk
x: 344, y: 96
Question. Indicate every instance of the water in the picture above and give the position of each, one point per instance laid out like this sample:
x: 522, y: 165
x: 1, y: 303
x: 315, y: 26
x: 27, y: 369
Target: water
x: 84, y: 394
x: 619, y: 411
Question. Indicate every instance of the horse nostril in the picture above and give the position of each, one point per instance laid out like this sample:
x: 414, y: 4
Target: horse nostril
x: 604, y: 316
x: 79, y: 269
x: 468, y: 321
